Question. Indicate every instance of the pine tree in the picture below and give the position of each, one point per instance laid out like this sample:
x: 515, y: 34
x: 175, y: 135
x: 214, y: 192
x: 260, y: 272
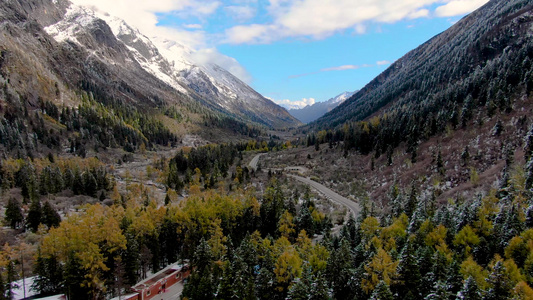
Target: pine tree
x: 73, y: 278
x: 35, y: 215
x: 412, y: 201
x: 50, y: 217
x: 77, y: 183
x: 440, y: 164
x: 440, y: 292
x: 90, y: 185
x: 382, y: 292
x: 409, y: 271
x: 470, y: 290
x: 309, y: 287
x: 305, y: 220
x: 49, y: 276
x: 264, y: 284
x: 528, y: 144
x: 529, y: 175
x: 13, y: 214
x: 2, y: 288
x: 500, y: 284
x: 339, y: 271
x: 10, y: 280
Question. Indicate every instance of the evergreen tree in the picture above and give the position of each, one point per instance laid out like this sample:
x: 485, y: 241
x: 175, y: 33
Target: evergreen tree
x: 201, y: 282
x: 309, y: 287
x: 49, y: 276
x: 500, y: 284
x: 50, y: 217
x: 13, y: 213
x: 305, y: 220
x: 409, y: 272
x: 440, y: 164
x: 77, y: 183
x: 167, y: 199
x: 2, y: 288
x: 10, y: 280
x: 528, y: 144
x: 265, y: 284
x: 382, y: 292
x: 440, y: 292
x: 90, y: 185
x: 339, y: 271
x: 412, y: 201
x: 35, y: 215
x: 529, y: 175
x: 73, y: 278
x: 470, y: 290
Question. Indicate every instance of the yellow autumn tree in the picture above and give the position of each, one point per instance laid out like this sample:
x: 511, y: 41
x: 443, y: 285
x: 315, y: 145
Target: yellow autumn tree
x: 381, y: 268
x: 469, y: 268
x: 466, y: 238
x: 522, y: 291
x: 90, y: 236
x: 286, y: 225
x: 288, y: 267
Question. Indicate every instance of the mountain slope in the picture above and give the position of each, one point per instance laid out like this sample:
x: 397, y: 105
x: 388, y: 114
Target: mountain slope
x: 312, y: 112
x: 486, y: 53
x: 174, y: 64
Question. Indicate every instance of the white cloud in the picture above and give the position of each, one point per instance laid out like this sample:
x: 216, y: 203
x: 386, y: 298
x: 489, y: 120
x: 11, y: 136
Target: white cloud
x: 422, y: 13
x: 341, y: 68
x: 294, y: 104
x: 241, y: 13
x: 211, y: 55
x: 383, y: 62
x: 458, y: 7
x: 322, y: 18
x: 337, y: 68
x: 193, y: 26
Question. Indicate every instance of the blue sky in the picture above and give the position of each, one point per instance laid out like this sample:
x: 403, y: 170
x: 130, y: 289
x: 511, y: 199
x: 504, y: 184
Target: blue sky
x: 295, y: 51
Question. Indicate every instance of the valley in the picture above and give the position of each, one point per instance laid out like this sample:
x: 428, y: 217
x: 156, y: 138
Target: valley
x: 124, y: 155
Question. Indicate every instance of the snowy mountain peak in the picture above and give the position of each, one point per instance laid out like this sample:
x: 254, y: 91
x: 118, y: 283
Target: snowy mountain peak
x: 180, y: 67
x: 342, y: 97
x: 312, y: 112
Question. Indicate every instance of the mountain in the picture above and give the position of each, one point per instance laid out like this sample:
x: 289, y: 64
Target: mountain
x: 174, y: 64
x: 312, y: 112
x: 481, y: 62
x: 77, y: 77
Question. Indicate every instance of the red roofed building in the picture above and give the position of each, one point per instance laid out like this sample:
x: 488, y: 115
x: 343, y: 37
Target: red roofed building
x: 159, y: 282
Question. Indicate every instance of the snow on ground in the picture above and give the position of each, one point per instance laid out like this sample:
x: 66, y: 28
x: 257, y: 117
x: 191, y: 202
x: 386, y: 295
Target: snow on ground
x: 19, y: 291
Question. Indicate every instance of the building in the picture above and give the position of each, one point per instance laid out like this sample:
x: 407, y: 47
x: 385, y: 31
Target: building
x: 159, y: 282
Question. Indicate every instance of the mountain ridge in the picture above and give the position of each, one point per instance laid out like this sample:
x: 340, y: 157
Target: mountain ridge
x: 312, y: 112
x: 467, y: 45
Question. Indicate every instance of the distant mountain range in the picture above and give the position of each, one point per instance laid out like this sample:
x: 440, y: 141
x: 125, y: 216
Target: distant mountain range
x: 310, y: 113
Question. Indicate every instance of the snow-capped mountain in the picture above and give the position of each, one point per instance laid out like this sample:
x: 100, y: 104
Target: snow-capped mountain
x: 168, y: 61
x: 310, y: 113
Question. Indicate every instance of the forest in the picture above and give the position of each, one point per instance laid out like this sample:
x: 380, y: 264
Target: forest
x: 478, y: 248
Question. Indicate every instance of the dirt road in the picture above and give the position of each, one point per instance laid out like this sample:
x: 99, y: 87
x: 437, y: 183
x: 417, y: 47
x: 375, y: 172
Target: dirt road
x: 253, y: 163
x: 331, y: 195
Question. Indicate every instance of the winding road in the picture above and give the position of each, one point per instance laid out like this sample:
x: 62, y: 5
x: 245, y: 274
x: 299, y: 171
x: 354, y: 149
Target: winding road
x: 331, y: 195
x: 253, y: 163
